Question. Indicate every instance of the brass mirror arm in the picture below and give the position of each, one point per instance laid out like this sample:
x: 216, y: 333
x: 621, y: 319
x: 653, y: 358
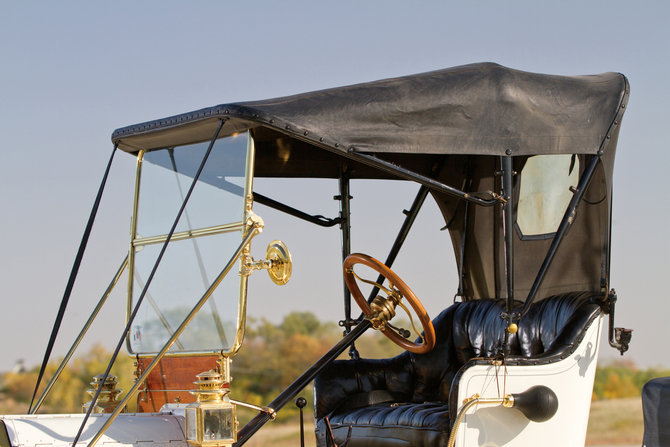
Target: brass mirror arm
x: 245, y: 242
x: 249, y: 264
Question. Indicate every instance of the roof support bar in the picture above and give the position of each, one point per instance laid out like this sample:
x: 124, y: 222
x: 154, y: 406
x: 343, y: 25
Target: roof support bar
x: 259, y: 198
x: 402, y: 235
x: 73, y: 276
x: 568, y: 218
x: 508, y: 233
x: 345, y: 231
x: 422, y: 179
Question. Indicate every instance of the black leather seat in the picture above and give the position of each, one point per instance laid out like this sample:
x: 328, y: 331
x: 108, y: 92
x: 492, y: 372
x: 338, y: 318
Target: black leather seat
x: 406, y: 400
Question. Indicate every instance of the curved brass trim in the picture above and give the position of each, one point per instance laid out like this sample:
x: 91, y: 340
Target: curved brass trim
x: 506, y: 401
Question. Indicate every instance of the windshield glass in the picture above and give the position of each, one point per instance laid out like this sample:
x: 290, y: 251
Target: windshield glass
x: 207, y: 234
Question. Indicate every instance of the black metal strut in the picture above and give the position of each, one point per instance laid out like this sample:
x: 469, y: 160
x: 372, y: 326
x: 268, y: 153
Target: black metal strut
x: 345, y: 231
x: 508, y: 233
x: 566, y: 222
x: 73, y: 276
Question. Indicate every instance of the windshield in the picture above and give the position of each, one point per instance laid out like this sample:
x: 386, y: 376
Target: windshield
x: 207, y: 234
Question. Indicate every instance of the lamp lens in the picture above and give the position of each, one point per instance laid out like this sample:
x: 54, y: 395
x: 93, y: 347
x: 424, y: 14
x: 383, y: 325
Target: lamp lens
x: 218, y: 424
x: 191, y: 424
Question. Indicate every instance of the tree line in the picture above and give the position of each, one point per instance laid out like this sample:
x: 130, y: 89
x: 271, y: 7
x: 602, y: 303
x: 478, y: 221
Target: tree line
x: 272, y: 357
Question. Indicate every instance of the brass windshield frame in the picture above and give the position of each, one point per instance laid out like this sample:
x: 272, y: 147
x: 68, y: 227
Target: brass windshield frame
x: 245, y: 226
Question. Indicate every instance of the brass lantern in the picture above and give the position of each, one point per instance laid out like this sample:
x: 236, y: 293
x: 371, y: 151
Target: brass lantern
x: 211, y: 421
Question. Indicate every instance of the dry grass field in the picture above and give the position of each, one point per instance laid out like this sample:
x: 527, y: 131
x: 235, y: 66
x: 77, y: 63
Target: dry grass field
x: 616, y: 422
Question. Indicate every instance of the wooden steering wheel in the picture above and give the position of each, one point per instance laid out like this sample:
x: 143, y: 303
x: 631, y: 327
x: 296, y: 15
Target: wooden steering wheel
x: 378, y: 316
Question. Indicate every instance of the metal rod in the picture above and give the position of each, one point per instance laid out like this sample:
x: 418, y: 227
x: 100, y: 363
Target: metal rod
x: 461, y: 263
x: 466, y: 407
x: 247, y: 405
x: 196, y: 249
x: 508, y: 232
x: 315, y: 219
x: 271, y: 203
x: 345, y: 233
x: 253, y: 232
x: 73, y: 275
x: 289, y: 393
x: 402, y: 235
x: 75, y: 345
x: 158, y: 310
x: 421, y: 179
x: 184, y: 235
x: 568, y: 218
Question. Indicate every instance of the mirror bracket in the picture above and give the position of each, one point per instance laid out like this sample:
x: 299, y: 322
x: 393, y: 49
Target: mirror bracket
x: 277, y: 262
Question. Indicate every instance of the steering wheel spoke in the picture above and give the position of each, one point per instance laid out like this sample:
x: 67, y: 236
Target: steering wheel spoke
x: 382, y: 310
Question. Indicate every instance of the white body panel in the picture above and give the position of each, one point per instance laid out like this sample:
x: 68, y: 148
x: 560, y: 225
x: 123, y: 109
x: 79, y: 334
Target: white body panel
x: 572, y: 381
x: 128, y: 429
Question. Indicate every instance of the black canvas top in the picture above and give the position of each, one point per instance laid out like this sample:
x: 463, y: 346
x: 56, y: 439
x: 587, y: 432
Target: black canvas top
x: 452, y: 126
x: 474, y: 109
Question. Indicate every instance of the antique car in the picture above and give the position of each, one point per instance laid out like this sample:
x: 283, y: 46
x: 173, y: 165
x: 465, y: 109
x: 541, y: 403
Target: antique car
x: 521, y: 168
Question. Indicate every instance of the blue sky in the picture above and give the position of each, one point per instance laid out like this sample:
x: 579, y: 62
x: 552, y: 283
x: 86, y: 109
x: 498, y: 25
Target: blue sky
x: 72, y: 72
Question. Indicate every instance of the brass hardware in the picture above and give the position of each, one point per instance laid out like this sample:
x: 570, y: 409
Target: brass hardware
x: 512, y: 328
x: 471, y: 401
x: 106, y: 402
x: 139, y: 241
x: 538, y: 403
x: 383, y: 309
x: 267, y: 410
x: 278, y: 263
x: 467, y: 400
x: 211, y: 420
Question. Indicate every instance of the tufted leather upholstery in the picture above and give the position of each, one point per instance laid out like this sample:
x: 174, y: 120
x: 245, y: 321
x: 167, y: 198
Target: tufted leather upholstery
x: 465, y: 333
